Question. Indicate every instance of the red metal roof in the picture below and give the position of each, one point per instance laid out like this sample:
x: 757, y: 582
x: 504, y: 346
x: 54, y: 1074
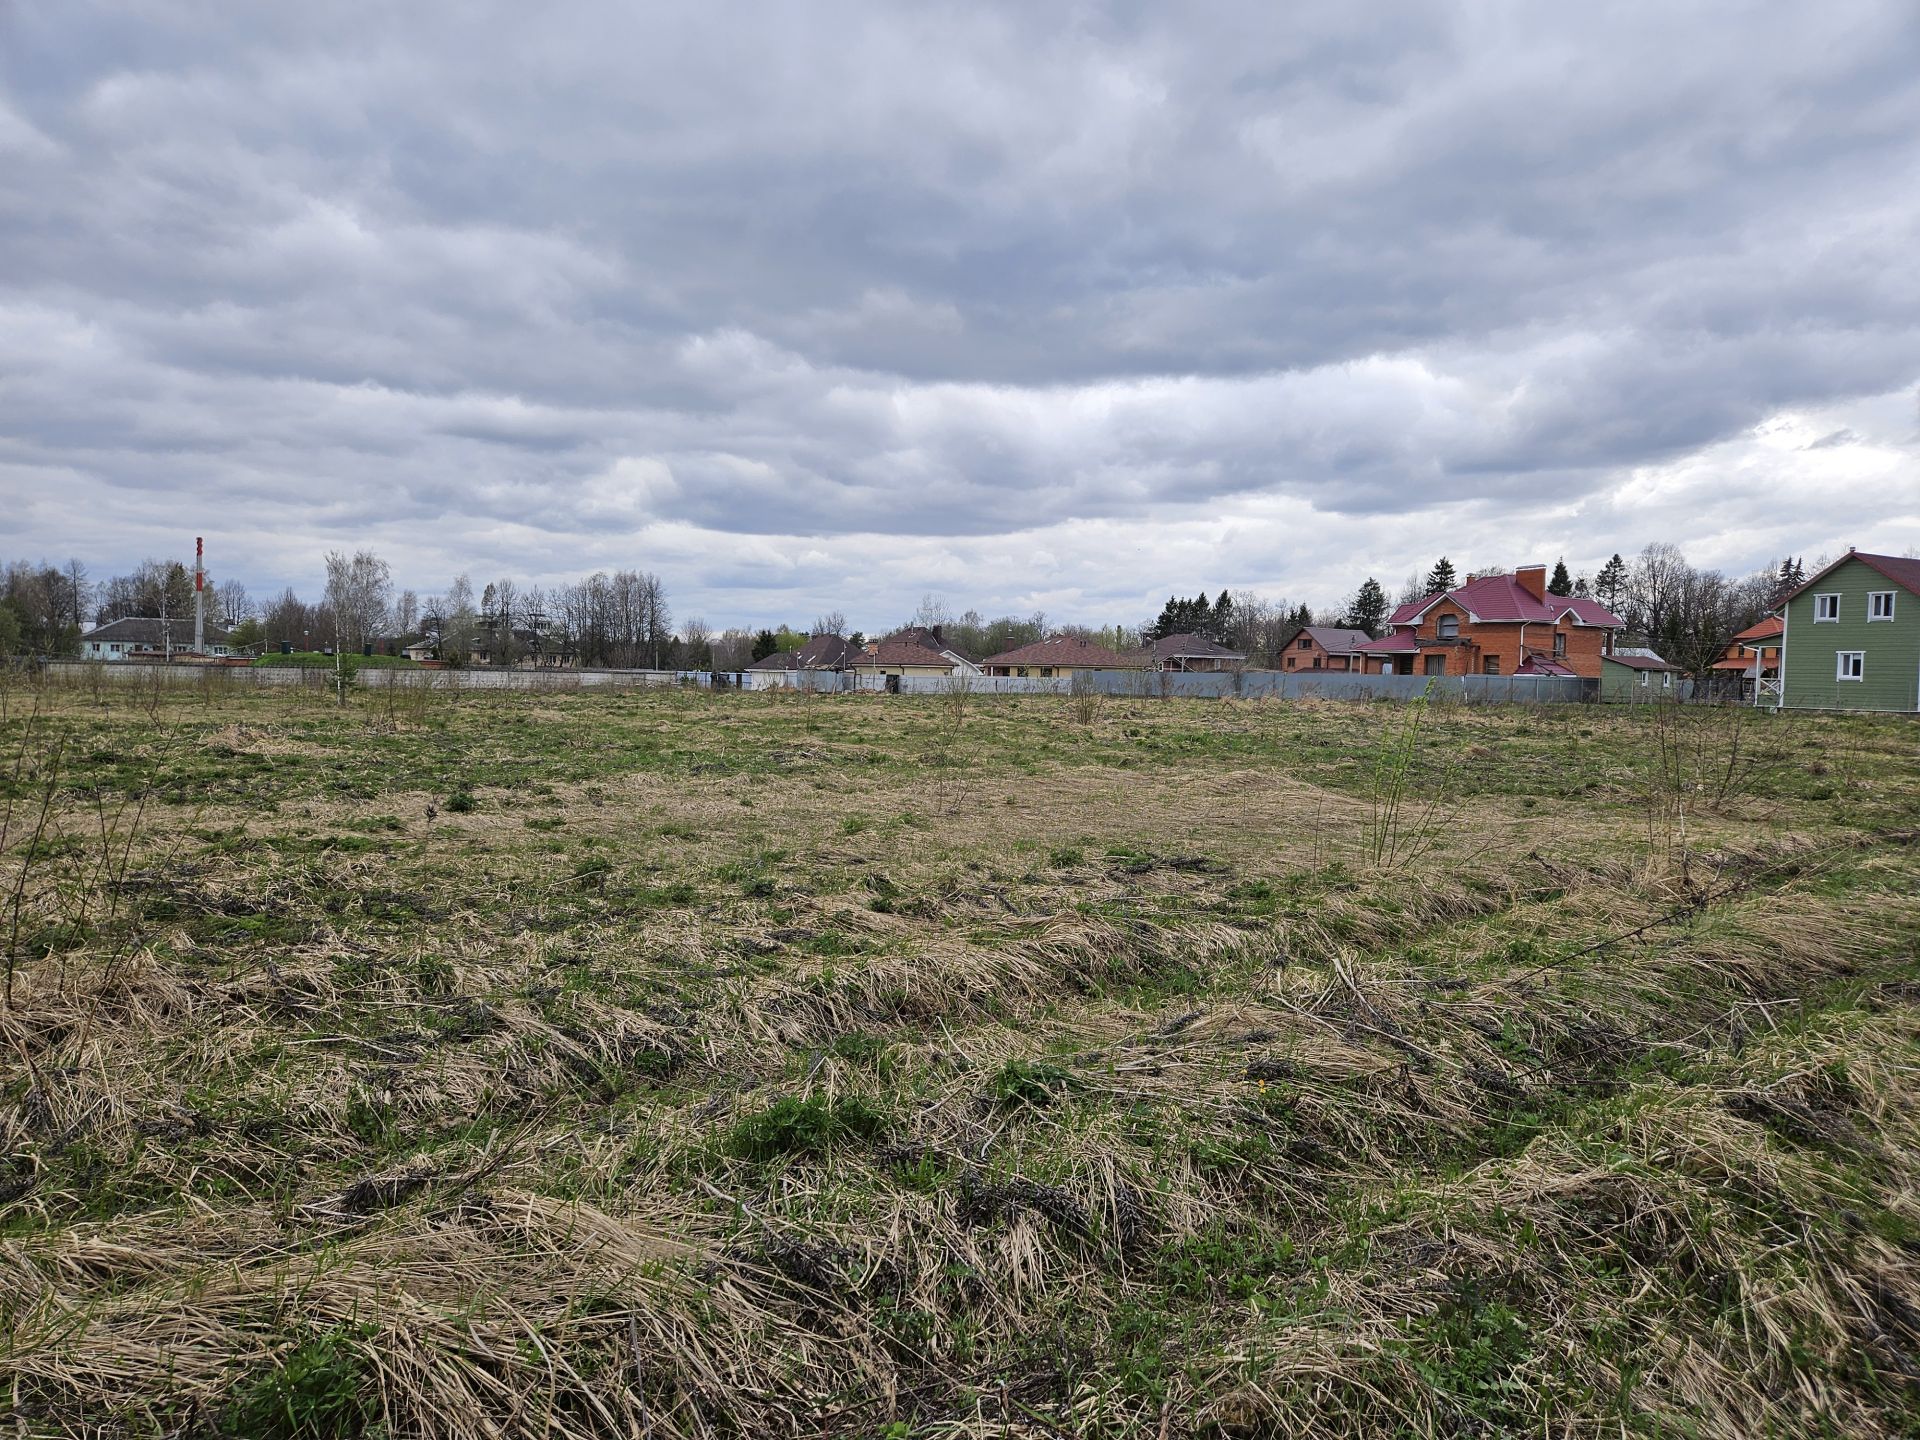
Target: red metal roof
x: 1400, y: 642
x: 1502, y: 599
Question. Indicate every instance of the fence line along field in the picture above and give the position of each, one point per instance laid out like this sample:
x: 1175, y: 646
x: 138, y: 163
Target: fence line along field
x: 669, y: 1064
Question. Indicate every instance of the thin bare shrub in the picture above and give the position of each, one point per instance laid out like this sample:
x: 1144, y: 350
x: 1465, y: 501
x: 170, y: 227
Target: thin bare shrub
x: 1408, y: 806
x: 1698, y: 759
x: 1084, y: 702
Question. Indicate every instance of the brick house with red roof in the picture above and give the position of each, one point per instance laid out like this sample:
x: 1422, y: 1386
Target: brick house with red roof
x: 1325, y: 647
x: 1495, y: 625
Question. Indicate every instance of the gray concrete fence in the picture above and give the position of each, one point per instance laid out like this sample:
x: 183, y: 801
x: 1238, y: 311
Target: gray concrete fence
x: 1241, y: 684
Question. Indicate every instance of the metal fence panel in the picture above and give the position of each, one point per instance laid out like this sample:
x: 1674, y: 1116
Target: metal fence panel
x: 1243, y: 684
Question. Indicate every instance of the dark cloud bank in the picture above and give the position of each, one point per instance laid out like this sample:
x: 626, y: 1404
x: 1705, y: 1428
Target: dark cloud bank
x: 828, y: 306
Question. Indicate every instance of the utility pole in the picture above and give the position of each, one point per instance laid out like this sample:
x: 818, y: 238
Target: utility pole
x: 199, y: 596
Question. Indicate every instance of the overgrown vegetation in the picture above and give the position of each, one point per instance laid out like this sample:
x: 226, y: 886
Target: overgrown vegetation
x: 692, y: 1065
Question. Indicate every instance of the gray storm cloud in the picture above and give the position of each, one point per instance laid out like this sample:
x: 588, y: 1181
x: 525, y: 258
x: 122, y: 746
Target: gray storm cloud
x: 1063, y: 305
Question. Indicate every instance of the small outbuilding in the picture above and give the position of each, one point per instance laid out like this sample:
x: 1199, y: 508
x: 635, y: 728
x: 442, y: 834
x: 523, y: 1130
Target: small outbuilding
x: 1629, y: 676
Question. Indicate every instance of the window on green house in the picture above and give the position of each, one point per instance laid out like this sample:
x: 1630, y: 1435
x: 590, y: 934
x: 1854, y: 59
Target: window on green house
x: 1850, y: 665
x: 1826, y: 607
x: 1880, y: 605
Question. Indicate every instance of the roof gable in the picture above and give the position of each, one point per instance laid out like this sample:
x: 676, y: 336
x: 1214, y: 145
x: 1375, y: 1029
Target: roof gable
x: 1902, y: 571
x: 1336, y: 639
x: 1503, y: 600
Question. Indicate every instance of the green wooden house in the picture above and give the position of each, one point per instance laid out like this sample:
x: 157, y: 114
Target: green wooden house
x: 1632, y: 677
x: 1852, y: 640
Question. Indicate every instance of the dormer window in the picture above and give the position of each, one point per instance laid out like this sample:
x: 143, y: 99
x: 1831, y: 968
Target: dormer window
x: 1448, y: 627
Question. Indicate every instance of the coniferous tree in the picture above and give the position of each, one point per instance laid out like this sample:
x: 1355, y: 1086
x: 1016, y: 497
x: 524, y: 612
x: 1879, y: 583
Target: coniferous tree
x: 764, y: 644
x: 1792, y: 576
x: 1561, y: 583
x: 1368, y: 607
x: 1220, y: 625
x: 1610, y: 585
x: 1442, y: 576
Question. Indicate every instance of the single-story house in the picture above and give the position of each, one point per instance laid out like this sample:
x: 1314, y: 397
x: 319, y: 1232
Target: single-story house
x: 143, y: 638
x: 1325, y: 647
x: 918, y: 650
x: 531, y: 650
x: 1851, y: 637
x: 1062, y: 655
x: 1191, y: 652
x: 1496, y: 625
x: 1635, y: 674
x: 787, y: 669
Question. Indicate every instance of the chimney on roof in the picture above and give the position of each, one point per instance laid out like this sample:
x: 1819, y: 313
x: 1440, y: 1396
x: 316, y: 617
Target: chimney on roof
x: 1533, y: 580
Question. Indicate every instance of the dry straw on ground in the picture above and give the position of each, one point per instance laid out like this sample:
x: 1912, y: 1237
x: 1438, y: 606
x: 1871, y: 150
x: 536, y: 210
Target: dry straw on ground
x: 741, y: 1065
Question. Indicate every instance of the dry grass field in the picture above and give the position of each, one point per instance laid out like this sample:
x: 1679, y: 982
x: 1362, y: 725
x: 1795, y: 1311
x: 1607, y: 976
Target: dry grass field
x: 682, y: 1065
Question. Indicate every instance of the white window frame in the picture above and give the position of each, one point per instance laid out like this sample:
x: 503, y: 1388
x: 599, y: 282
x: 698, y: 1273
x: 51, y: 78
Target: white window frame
x: 1874, y: 597
x: 1840, y: 665
x: 1645, y: 680
x: 1666, y: 679
x: 1821, y: 602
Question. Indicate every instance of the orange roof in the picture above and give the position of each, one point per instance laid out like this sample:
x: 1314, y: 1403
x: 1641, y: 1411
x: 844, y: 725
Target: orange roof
x: 1769, y: 628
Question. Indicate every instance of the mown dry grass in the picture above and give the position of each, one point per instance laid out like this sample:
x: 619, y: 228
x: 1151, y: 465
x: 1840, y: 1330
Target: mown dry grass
x: 678, y: 1065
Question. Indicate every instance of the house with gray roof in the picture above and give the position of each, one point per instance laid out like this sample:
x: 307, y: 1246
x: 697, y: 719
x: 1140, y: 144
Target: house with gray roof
x: 140, y: 637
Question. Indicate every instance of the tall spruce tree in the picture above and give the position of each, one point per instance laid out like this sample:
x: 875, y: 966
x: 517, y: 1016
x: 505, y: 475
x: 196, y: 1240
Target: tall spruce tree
x: 1561, y: 583
x: 1368, y: 607
x: 1792, y: 576
x: 1220, y: 625
x: 1442, y: 576
x: 1610, y: 585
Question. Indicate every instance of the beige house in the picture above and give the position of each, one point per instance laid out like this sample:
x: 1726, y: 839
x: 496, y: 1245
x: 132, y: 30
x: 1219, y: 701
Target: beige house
x: 916, y: 650
x: 1062, y: 655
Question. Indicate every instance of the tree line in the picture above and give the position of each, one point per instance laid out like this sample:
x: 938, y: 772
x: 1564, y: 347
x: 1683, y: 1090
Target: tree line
x: 623, y: 619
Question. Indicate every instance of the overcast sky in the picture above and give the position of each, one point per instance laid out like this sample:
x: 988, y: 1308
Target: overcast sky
x: 1065, y: 306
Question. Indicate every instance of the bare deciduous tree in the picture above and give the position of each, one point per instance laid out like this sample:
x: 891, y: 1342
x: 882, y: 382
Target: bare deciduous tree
x: 359, y: 590
x: 231, y: 603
